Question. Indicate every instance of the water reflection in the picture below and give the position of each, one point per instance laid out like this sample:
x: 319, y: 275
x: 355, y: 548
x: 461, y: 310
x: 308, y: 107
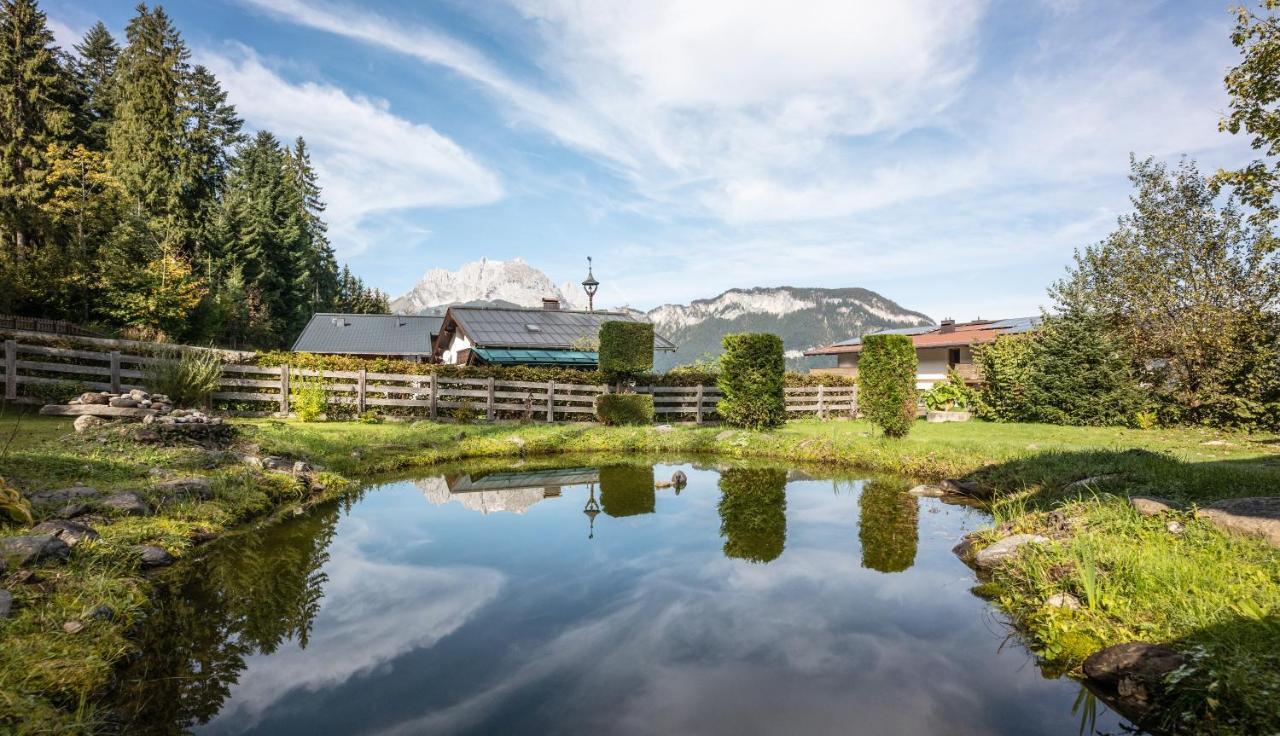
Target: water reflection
x: 627, y: 490
x: 887, y: 525
x: 753, y: 513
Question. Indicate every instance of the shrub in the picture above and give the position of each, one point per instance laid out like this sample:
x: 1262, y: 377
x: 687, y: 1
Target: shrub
x: 13, y: 507
x: 952, y: 394
x: 753, y: 513
x: 627, y: 490
x: 617, y: 409
x: 887, y: 383
x: 307, y: 397
x: 1081, y: 374
x: 370, y: 416
x: 887, y: 525
x: 187, y: 377
x: 626, y: 349
x: 1145, y: 420
x: 465, y: 412
x: 59, y: 392
x: 751, y: 378
x: 1005, y: 365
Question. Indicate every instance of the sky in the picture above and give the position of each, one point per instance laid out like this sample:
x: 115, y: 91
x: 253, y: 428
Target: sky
x: 949, y: 154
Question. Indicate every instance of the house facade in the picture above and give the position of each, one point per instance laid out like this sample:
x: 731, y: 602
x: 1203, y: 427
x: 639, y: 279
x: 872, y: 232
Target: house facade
x: 520, y: 336
x: 939, y: 349
x: 398, y: 336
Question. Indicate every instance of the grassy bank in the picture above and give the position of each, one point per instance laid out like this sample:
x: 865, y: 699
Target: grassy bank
x: 1204, y: 591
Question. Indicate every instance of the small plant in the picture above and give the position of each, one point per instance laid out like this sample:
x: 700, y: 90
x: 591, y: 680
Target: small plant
x: 949, y: 395
x: 464, y: 413
x: 13, y: 506
x: 1145, y: 420
x: 57, y: 392
x: 307, y: 397
x: 1087, y: 565
x: 187, y: 377
x: 614, y: 409
x: 887, y: 383
x: 369, y: 416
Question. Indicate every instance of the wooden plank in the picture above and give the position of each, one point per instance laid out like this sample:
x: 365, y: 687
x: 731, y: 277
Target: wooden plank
x: 284, y: 389
x: 62, y: 352
x: 397, y: 402
x: 489, y: 400
x: 701, y: 390
x: 248, y: 382
x: 382, y: 388
x: 238, y: 396
x: 90, y: 370
x: 312, y: 373
x: 114, y: 344
x: 551, y: 399
x: 265, y: 370
x: 483, y: 382
x: 94, y: 385
x: 115, y: 371
x: 435, y: 393
x: 95, y: 410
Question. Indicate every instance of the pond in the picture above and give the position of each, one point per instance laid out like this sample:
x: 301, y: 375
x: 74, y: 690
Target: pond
x: 540, y: 599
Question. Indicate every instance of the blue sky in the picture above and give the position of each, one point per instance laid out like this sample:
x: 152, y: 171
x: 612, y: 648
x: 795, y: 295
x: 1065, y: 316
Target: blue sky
x: 949, y: 154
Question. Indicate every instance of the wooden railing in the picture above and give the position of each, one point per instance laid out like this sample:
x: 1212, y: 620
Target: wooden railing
x: 46, y: 326
x: 262, y: 390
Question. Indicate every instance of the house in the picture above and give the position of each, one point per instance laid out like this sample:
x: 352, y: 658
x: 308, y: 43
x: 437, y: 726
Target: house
x: 521, y: 336
x: 396, y: 336
x: 946, y: 346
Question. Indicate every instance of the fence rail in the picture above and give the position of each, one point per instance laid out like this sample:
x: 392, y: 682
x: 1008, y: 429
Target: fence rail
x: 263, y: 390
x: 47, y: 326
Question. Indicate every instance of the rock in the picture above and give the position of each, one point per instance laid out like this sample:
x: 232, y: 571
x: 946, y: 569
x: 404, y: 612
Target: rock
x: 663, y: 428
x: 1135, y: 671
x: 73, y: 627
x: 1175, y: 527
x: 1063, y: 600
x: 1090, y: 482
x: 123, y: 402
x: 965, y: 488
x: 72, y: 510
x: 1152, y: 505
x: 93, y: 398
x: 964, y: 549
x: 152, y: 556
x: 185, y: 488
x: 138, y: 394
x: 86, y: 422
x: 679, y: 479
x: 1005, y: 549
x: 662, y: 484
x: 33, y: 548
x: 63, y: 495
x: 66, y: 410
x: 726, y: 434
x: 302, y: 467
x: 127, y: 503
x: 101, y: 612
x: 71, y: 532
x: 1257, y: 516
x: 271, y: 462
x: 927, y: 490
x: 251, y: 460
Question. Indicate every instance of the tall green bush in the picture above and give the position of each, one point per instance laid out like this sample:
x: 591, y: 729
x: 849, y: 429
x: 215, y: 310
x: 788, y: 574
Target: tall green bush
x: 1081, y: 374
x: 753, y: 513
x: 1005, y: 367
x: 618, y: 409
x: 626, y: 349
x: 752, y: 380
x: 887, y: 383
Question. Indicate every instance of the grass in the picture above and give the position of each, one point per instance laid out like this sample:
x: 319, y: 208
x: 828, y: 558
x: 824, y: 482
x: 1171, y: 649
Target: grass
x: 1214, y: 596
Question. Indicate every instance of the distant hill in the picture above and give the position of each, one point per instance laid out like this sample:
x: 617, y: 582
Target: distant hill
x: 803, y: 317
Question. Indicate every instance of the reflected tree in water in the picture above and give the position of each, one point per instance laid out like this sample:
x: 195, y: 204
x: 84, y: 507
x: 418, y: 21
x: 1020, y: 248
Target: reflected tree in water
x: 627, y: 490
x: 887, y: 517
x: 255, y: 592
x: 753, y: 513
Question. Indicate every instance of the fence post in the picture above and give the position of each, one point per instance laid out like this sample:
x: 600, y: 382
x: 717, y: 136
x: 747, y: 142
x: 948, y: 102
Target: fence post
x: 434, y: 410
x: 699, y: 414
x: 284, y: 389
x: 551, y: 401
x: 115, y: 371
x: 490, y: 410
x: 10, y: 369
x: 361, y: 383
x: 822, y: 403
x: 853, y: 403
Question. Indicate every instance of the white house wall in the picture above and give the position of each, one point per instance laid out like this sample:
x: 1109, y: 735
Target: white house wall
x: 932, y: 366
x: 456, y: 346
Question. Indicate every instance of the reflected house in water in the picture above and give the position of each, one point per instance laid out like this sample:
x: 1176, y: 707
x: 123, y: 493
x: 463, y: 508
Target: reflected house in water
x: 513, y: 492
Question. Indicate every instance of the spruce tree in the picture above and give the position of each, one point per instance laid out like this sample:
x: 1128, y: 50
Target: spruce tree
x: 212, y: 130
x: 95, y: 67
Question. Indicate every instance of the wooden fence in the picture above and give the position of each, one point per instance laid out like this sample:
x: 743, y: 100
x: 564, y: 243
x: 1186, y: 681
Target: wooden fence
x: 45, y: 326
x: 261, y: 390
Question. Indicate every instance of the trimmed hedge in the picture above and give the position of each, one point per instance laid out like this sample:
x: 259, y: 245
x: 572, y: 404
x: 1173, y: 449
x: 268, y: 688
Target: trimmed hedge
x: 752, y: 378
x: 624, y: 409
x: 627, y: 490
x: 626, y: 349
x: 887, y: 382
x: 753, y: 513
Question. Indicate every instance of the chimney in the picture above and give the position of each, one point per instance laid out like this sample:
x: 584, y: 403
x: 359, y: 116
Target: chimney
x: 947, y: 326
x: 550, y: 303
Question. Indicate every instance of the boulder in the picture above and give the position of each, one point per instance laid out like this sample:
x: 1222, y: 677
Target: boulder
x: 123, y: 402
x: 272, y: 462
x: 138, y: 394
x: 965, y: 488
x: 964, y: 549
x: 1063, y: 600
x: 1152, y: 505
x: 662, y: 484
x: 1257, y: 516
x: 53, y: 496
x: 6, y: 604
x: 86, y: 422
x: 71, y: 532
x: 679, y: 479
x: 185, y: 488
x: 75, y: 410
x: 152, y: 556
x: 126, y: 503
x: 31, y: 549
x: 304, y: 467
x: 93, y: 397
x: 927, y: 490
x: 1005, y: 549
x: 1134, y: 671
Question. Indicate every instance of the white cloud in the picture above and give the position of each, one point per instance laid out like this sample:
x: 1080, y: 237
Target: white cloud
x: 371, y: 162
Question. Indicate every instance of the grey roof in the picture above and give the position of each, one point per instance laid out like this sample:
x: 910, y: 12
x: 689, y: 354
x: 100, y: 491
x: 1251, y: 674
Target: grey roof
x: 917, y: 330
x: 368, y: 334
x: 554, y: 329
x: 527, y: 479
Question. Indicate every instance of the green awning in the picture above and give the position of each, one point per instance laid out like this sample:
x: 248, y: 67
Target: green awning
x: 501, y: 356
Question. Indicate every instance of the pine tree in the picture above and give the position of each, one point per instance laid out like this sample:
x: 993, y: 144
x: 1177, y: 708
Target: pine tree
x: 212, y: 130
x: 34, y: 90
x: 95, y: 66
x: 320, y: 266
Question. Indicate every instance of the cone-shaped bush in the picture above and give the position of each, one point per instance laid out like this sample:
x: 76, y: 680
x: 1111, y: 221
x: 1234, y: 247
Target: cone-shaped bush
x: 887, y: 383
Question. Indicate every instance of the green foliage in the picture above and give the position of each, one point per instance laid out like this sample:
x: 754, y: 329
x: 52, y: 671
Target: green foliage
x: 1005, y: 366
x: 1253, y: 110
x: 753, y: 513
x: 627, y: 490
x: 619, y: 409
x: 887, y: 525
x: 307, y: 397
x: 887, y: 383
x: 751, y: 379
x: 13, y: 507
x: 952, y: 394
x: 1145, y: 420
x: 59, y: 392
x: 369, y: 416
x: 626, y: 349
x: 1081, y: 373
x: 187, y: 377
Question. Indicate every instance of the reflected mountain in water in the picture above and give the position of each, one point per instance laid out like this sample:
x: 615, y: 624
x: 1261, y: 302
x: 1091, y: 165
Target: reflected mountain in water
x: 512, y: 492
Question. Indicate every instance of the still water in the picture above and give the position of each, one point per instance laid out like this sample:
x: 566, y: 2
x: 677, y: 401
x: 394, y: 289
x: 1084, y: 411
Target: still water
x: 504, y: 600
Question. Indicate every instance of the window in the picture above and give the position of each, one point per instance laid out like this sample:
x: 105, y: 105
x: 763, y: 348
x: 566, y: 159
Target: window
x: 953, y: 357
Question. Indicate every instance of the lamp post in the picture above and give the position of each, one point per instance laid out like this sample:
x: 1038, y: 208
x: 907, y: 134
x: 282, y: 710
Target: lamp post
x: 592, y: 511
x: 590, y: 285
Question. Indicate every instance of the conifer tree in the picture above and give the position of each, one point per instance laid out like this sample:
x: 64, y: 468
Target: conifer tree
x: 95, y: 67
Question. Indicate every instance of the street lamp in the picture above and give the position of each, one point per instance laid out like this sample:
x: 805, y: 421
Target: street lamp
x: 590, y: 285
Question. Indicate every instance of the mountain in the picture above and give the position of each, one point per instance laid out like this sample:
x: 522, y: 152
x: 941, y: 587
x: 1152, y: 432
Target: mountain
x: 803, y: 317
x: 483, y: 282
